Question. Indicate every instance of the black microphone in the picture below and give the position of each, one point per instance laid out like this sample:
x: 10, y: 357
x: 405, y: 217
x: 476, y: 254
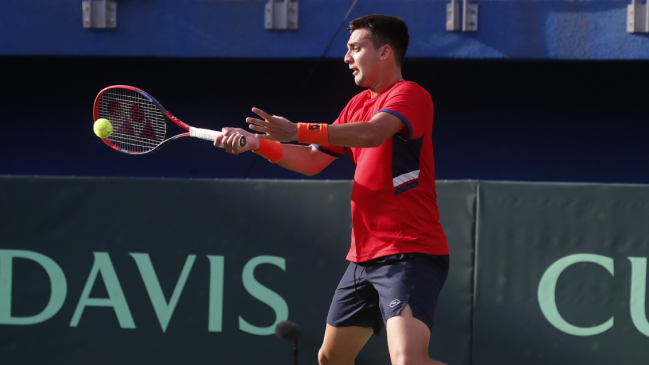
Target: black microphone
x: 289, y: 331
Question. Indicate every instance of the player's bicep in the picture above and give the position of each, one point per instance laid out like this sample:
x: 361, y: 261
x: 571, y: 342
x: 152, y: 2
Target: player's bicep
x: 386, y: 125
x: 322, y: 157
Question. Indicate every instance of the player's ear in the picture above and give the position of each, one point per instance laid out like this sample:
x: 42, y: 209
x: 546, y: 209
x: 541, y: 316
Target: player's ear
x: 384, y: 52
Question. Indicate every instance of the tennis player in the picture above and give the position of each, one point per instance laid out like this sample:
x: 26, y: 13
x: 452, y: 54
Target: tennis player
x: 399, y: 254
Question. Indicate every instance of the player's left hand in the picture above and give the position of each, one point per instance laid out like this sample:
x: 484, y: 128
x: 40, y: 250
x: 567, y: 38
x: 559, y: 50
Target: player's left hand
x: 276, y: 128
x: 230, y: 140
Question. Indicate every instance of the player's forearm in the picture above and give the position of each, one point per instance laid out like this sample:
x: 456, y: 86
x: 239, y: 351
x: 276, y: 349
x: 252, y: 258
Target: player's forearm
x: 361, y: 134
x: 302, y: 159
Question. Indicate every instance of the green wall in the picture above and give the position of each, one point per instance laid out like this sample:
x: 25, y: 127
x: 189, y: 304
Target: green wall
x: 133, y: 271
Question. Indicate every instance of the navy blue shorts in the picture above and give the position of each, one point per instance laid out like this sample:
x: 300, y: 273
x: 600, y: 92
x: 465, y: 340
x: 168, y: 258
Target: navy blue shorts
x: 372, y: 292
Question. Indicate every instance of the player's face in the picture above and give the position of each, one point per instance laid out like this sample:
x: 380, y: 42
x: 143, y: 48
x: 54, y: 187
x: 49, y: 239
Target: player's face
x: 362, y: 58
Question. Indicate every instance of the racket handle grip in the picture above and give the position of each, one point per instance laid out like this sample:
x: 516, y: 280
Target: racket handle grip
x: 210, y: 135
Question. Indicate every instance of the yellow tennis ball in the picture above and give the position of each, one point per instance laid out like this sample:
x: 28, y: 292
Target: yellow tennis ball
x: 103, y: 128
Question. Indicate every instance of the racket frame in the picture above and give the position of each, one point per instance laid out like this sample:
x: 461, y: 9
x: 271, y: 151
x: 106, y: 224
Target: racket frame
x: 168, y: 116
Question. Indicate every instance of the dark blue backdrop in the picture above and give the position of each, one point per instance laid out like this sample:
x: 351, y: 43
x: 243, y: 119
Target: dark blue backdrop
x: 502, y: 120
x: 539, y: 29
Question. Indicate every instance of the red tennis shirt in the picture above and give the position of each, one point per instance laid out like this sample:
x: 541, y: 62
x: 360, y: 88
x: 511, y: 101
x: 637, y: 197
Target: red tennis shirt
x: 394, y: 204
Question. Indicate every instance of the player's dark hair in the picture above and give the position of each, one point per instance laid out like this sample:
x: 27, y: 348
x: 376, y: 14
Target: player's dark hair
x: 385, y: 29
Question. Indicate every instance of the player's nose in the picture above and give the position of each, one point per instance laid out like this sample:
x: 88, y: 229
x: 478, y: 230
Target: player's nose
x: 348, y: 58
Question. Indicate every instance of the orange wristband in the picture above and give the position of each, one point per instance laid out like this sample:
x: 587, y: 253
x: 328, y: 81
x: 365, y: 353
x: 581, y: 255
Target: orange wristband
x: 313, y: 133
x: 273, y: 151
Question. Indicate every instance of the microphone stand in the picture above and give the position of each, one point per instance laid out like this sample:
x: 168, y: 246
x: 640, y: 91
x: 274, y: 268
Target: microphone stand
x: 295, y: 352
x: 289, y: 331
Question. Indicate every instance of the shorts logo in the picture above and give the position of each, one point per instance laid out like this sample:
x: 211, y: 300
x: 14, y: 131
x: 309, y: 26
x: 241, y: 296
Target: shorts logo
x: 395, y: 303
x: 314, y: 127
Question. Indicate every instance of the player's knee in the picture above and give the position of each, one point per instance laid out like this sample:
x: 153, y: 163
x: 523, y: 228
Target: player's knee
x: 323, y: 359
x: 328, y: 358
x: 406, y: 358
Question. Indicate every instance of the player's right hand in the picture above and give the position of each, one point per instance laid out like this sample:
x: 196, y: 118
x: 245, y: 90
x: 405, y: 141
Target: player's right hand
x: 230, y: 138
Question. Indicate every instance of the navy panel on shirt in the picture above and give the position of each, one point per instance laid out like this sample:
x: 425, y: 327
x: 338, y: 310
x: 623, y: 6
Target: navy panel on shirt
x: 405, y: 154
x: 405, y: 162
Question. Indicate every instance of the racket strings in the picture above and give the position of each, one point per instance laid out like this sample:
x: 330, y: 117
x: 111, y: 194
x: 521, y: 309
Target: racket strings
x: 138, y: 125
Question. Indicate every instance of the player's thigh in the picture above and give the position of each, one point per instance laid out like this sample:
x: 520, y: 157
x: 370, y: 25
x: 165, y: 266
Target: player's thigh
x: 408, y: 339
x: 341, y: 345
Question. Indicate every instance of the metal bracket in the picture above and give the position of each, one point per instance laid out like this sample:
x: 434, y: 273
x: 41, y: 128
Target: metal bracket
x: 281, y: 15
x: 637, y: 17
x: 469, y: 16
x: 453, y: 16
x: 99, y: 14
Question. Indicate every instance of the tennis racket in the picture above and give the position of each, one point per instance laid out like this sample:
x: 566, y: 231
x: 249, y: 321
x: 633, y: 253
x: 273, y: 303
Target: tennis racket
x: 140, y: 123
